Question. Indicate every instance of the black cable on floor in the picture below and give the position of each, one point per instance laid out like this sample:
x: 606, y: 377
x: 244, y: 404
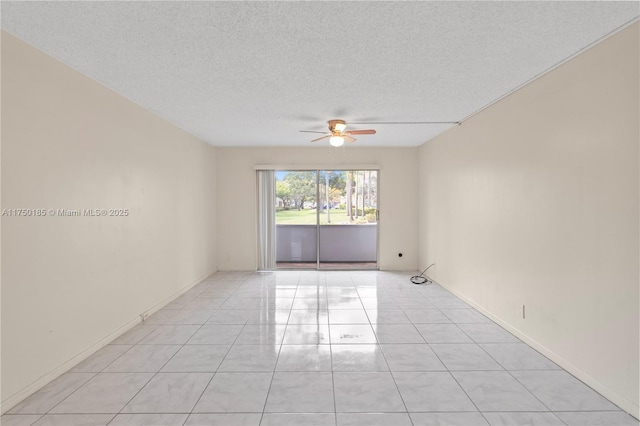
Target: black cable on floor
x: 421, y: 279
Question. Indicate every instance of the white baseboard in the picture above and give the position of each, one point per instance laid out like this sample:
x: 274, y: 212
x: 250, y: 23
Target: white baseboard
x: 631, y: 407
x: 16, y: 398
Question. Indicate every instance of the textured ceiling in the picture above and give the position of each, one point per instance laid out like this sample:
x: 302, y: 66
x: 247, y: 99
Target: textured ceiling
x: 255, y: 73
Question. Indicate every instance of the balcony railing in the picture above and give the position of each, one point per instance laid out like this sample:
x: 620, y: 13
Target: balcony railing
x: 338, y: 243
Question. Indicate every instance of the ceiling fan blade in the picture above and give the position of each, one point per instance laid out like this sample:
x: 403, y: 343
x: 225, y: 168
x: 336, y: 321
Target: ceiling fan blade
x: 311, y: 131
x: 361, y: 132
x: 319, y: 139
x: 348, y: 138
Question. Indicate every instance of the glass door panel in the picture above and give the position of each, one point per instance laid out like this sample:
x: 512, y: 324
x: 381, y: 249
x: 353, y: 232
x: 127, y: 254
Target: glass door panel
x: 348, y: 219
x: 296, y: 219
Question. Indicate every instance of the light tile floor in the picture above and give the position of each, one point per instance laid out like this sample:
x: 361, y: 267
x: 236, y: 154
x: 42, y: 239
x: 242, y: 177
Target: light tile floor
x: 316, y: 348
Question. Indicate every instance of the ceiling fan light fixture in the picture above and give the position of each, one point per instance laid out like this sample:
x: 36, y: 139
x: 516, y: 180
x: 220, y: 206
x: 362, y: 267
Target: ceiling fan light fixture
x: 336, y: 141
x: 337, y: 136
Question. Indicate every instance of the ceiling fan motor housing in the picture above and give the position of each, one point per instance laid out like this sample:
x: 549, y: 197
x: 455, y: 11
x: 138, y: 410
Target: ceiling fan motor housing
x: 340, y: 123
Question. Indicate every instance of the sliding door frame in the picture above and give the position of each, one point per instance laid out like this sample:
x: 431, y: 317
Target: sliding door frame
x: 326, y: 168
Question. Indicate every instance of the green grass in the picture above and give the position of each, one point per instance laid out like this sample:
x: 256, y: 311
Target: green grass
x: 308, y: 217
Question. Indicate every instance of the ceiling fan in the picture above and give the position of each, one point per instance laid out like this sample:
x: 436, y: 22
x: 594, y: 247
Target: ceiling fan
x: 338, y: 135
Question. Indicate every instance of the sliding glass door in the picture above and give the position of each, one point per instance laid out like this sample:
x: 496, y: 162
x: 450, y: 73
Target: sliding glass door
x: 326, y: 219
x: 348, y: 219
x: 296, y: 219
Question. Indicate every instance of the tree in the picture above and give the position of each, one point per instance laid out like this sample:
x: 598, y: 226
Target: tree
x: 356, y: 187
x: 283, y: 191
x: 328, y: 201
x: 337, y: 182
x: 302, y: 186
x: 336, y: 185
x: 373, y: 188
x: 348, y: 195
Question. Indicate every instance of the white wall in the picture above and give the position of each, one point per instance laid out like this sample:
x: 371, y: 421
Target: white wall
x: 68, y: 283
x: 534, y: 202
x: 236, y: 195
